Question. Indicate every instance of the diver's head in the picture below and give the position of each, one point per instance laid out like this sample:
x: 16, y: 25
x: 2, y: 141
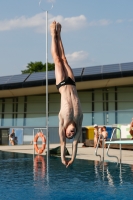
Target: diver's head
x: 70, y: 131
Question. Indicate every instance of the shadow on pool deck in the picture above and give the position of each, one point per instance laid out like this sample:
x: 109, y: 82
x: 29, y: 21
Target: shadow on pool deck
x: 86, y: 153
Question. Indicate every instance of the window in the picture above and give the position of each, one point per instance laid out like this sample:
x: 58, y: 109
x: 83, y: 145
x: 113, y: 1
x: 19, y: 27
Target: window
x: 35, y: 111
x: 8, y: 108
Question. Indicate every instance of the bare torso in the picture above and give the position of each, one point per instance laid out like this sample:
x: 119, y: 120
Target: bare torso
x: 105, y: 134
x: 96, y: 133
x: 70, y: 110
x: 131, y: 128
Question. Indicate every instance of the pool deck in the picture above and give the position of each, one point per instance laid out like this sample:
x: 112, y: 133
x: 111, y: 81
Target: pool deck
x: 86, y: 153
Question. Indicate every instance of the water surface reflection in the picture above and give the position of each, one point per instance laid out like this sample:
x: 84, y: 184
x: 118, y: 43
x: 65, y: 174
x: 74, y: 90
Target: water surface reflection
x: 30, y: 177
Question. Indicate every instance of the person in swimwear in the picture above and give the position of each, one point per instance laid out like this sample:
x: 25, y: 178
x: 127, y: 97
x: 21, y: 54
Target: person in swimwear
x: 131, y: 129
x: 103, y: 132
x: 12, y: 137
x: 70, y: 114
x: 96, y: 135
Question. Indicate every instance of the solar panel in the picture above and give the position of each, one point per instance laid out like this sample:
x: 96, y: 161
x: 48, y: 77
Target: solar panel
x: 51, y: 75
x: 40, y: 76
x: 92, y: 70
x: 91, y: 73
x: 17, y: 78
x: 127, y: 66
x: 77, y: 71
x: 110, y: 68
x: 4, y: 79
x: 37, y: 76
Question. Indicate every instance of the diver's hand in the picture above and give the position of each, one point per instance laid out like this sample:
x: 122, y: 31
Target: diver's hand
x: 64, y: 162
x: 69, y: 162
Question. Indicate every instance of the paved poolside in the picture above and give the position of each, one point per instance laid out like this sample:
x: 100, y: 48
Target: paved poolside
x: 86, y: 153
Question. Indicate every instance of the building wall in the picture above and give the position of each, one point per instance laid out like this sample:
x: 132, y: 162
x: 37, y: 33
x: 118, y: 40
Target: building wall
x: 102, y: 106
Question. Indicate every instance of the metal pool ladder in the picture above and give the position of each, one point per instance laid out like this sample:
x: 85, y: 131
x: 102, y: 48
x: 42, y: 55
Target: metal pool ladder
x: 101, y: 136
x: 119, y: 144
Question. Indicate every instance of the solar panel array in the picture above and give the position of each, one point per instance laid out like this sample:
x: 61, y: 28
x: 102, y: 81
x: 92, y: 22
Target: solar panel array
x: 37, y: 76
x: 105, y: 71
x: 111, y: 68
x: 127, y: 66
x: 4, y: 79
x: 77, y: 71
x: 18, y: 78
x: 51, y: 75
x: 92, y: 70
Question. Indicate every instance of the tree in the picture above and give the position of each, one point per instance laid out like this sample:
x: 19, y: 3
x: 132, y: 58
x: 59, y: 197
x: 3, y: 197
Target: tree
x: 37, y: 67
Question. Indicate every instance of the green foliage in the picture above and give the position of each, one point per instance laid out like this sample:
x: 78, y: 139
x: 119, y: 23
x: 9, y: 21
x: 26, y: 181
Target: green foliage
x: 37, y: 67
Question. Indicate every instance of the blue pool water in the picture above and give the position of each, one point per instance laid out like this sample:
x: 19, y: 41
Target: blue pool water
x: 23, y: 176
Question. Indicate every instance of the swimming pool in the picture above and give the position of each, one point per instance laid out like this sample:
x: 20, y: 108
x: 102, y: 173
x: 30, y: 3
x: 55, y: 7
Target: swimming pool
x: 22, y: 177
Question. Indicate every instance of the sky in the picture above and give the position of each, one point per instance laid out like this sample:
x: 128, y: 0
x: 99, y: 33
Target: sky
x: 94, y: 32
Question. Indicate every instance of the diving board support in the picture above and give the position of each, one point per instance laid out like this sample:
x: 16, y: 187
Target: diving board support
x: 120, y: 142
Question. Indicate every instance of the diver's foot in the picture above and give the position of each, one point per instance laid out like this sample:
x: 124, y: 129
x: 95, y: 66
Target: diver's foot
x: 58, y: 28
x: 53, y: 28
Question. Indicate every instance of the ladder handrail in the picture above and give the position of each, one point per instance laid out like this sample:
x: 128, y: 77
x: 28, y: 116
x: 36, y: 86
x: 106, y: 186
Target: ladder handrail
x: 109, y: 145
x: 100, y: 136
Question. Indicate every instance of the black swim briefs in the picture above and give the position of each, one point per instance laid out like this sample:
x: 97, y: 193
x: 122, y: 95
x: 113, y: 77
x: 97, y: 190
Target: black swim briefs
x: 66, y: 81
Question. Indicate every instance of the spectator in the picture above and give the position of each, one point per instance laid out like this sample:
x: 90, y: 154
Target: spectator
x: 131, y: 129
x: 104, y: 133
x: 12, y: 137
x: 96, y: 135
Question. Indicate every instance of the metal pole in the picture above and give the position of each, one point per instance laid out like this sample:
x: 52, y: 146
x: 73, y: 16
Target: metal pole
x: 103, y: 148
x: 120, y: 148
x: 47, y: 133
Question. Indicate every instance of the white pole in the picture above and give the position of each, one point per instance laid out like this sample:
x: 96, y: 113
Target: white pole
x: 47, y: 133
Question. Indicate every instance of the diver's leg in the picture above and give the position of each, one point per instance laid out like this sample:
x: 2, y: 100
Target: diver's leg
x: 67, y: 68
x: 59, y: 70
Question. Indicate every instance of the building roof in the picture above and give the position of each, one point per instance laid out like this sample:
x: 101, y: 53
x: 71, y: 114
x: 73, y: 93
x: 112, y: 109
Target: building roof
x: 81, y: 75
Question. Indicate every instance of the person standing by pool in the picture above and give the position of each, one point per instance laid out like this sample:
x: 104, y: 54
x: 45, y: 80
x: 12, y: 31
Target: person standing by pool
x: 96, y: 135
x: 131, y: 129
x: 104, y: 133
x: 70, y: 115
x: 12, y: 137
